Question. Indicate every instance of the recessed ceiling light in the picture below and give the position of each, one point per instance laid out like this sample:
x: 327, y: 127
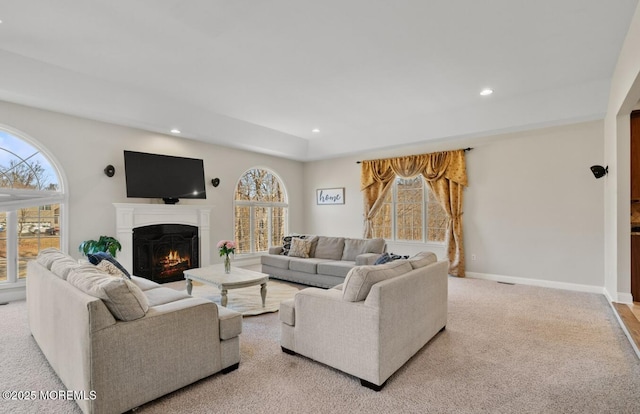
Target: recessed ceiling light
x: 175, y: 131
x: 486, y: 92
x: 315, y: 130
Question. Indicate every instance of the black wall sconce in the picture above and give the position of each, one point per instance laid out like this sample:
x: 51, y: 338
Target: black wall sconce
x: 215, y: 182
x: 599, y: 171
x: 109, y: 170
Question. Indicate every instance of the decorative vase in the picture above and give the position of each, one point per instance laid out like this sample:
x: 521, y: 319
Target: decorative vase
x: 227, y: 264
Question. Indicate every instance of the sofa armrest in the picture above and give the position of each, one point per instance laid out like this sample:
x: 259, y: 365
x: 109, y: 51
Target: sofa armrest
x: 366, y: 259
x: 275, y: 250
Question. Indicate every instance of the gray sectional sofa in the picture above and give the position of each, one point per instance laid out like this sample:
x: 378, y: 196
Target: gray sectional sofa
x: 375, y: 322
x: 124, y: 342
x: 328, y: 262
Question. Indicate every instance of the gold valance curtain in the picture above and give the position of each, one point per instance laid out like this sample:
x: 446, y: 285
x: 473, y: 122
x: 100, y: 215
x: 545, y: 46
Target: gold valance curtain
x: 445, y: 173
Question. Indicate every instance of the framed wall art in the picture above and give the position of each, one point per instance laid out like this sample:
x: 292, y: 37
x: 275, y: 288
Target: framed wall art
x: 328, y: 196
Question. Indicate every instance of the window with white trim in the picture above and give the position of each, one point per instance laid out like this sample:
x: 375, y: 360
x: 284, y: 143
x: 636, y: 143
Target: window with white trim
x: 410, y: 212
x: 260, y: 210
x: 31, y: 199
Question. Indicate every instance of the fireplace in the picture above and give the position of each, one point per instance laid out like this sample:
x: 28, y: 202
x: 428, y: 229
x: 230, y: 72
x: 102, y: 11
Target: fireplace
x: 162, y: 252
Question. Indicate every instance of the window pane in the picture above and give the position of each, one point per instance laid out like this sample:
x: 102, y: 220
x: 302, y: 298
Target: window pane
x: 410, y: 193
x: 278, y: 220
x: 38, y: 229
x: 3, y: 246
x: 22, y: 166
x: 243, y: 229
x: 261, y: 229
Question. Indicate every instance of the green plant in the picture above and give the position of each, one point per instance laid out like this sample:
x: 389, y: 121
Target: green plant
x: 103, y: 244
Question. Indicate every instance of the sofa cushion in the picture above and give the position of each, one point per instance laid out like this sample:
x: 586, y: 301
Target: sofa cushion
x: 300, y: 248
x: 358, y: 282
x: 335, y: 268
x: 305, y: 265
x: 100, y: 256
x: 329, y: 248
x: 375, y: 246
x: 63, y: 266
x: 230, y: 323
x: 143, y: 283
x: 280, y: 262
x: 354, y: 247
x: 162, y: 295
x: 122, y: 297
x: 422, y: 259
x: 46, y: 257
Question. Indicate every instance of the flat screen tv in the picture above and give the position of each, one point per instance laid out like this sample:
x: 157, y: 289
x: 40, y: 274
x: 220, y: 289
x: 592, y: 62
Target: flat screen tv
x: 163, y: 176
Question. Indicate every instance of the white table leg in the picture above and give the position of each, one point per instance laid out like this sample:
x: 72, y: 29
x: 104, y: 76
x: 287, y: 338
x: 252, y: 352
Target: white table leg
x: 263, y: 292
x: 223, y: 298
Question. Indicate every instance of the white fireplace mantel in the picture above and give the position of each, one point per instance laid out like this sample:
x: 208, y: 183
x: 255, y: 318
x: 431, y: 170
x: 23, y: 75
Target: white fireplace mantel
x: 130, y: 216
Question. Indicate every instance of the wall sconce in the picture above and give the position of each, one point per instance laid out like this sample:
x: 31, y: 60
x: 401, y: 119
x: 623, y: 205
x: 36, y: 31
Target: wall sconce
x: 599, y: 171
x: 215, y: 182
x: 109, y: 170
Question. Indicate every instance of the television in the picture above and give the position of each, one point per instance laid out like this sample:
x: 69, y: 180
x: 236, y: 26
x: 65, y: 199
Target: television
x: 163, y: 176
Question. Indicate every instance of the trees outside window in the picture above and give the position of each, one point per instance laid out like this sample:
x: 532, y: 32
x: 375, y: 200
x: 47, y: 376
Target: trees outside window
x: 410, y: 212
x: 30, y: 205
x: 260, y: 207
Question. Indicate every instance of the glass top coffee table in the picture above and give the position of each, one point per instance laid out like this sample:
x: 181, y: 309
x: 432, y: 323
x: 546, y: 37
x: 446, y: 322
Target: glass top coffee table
x: 238, y: 278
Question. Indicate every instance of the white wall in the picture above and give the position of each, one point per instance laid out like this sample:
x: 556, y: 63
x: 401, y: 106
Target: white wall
x: 625, y: 93
x: 85, y: 147
x: 533, y: 210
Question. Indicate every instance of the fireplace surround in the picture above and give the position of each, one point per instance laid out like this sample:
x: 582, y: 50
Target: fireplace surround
x: 136, y: 216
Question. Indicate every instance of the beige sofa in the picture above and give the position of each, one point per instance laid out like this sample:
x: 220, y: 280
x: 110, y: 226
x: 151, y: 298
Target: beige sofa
x: 373, y: 323
x: 329, y: 260
x: 117, y: 365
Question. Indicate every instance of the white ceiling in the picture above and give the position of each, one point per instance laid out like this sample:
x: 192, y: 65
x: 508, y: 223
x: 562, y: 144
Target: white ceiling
x: 261, y: 74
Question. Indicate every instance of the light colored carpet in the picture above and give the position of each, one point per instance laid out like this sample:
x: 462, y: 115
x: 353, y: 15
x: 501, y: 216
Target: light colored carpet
x: 506, y: 349
x: 245, y: 300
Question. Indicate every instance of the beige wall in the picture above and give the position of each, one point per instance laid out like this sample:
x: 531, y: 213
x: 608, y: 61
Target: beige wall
x: 624, y: 96
x: 84, y: 147
x: 532, y: 214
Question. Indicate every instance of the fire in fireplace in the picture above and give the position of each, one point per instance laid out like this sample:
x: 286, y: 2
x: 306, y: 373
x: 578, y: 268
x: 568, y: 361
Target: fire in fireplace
x: 163, y: 252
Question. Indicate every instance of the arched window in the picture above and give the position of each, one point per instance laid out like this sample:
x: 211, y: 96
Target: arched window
x: 31, y: 203
x: 410, y: 212
x: 260, y: 206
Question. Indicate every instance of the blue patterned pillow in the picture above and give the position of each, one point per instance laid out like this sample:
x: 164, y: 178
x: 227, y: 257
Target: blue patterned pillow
x: 384, y: 258
x: 100, y: 256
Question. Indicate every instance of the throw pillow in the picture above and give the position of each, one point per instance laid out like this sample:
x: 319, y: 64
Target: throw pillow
x: 360, y: 279
x: 384, y: 258
x: 300, y: 248
x: 100, y: 256
x: 286, y: 243
x: 110, y: 269
x: 123, y: 298
x: 422, y: 259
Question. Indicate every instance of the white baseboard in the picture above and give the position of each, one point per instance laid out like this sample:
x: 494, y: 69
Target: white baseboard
x: 17, y: 291
x: 537, y: 282
x: 625, y: 298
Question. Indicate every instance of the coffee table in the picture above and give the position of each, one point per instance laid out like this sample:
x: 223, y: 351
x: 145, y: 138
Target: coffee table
x: 238, y: 278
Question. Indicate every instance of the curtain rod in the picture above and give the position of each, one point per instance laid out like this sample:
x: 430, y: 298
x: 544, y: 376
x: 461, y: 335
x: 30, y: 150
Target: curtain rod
x: 466, y: 149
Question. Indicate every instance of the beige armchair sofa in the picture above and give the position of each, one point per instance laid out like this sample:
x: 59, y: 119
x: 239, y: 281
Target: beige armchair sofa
x: 328, y: 261
x: 121, y: 343
x: 373, y: 323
